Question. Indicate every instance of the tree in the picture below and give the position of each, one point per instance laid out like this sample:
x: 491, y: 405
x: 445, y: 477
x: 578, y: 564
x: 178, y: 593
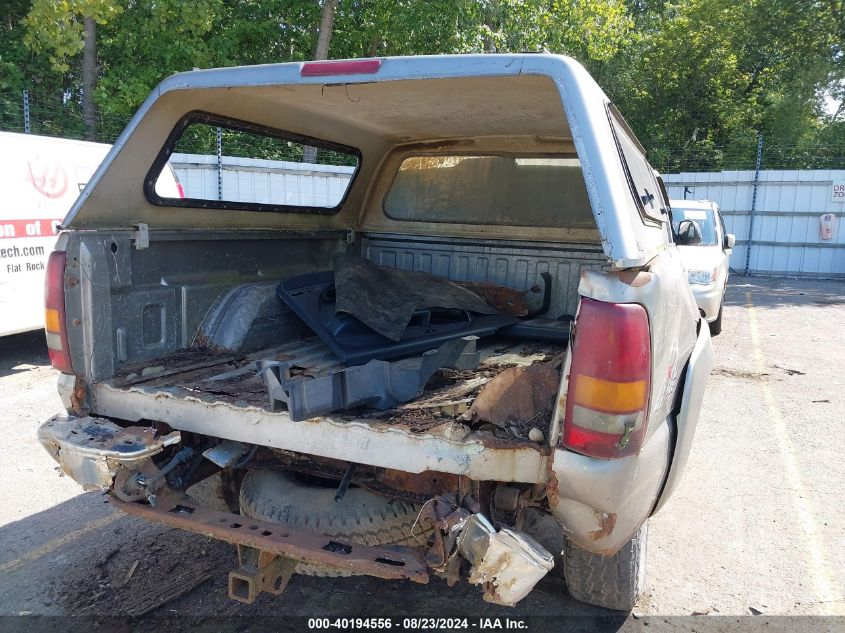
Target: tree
x: 321, y: 51
x: 702, y: 78
x: 697, y: 79
x: 324, y: 35
x: 65, y: 28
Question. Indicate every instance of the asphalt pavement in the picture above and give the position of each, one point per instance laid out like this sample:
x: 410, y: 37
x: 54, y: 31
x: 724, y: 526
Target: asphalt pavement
x: 756, y: 528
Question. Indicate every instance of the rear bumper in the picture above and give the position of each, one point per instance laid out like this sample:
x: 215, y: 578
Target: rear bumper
x: 102, y: 456
x: 90, y: 450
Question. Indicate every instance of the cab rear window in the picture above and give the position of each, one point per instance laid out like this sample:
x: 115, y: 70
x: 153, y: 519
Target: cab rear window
x: 536, y: 191
x: 220, y: 163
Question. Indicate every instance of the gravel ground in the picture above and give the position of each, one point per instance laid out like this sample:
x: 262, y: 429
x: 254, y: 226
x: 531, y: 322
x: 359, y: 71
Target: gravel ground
x: 756, y: 526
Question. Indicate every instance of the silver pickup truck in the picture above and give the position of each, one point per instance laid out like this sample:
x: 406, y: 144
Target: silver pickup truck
x: 399, y: 309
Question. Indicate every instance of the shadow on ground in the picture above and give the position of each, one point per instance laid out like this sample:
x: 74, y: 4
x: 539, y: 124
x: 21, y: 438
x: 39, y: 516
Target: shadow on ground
x: 19, y: 352
x: 772, y: 292
x: 127, y: 567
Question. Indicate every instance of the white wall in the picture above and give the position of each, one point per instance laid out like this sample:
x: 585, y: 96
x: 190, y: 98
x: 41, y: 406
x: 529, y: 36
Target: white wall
x: 785, y: 238
x: 253, y: 180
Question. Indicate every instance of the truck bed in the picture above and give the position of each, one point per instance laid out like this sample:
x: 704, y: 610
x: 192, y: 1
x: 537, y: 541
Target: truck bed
x: 231, y: 380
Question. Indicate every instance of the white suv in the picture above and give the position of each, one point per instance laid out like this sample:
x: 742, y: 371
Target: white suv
x: 705, y: 250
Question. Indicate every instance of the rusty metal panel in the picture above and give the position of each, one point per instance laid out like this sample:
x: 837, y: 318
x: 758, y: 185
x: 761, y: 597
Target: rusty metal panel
x: 394, y: 563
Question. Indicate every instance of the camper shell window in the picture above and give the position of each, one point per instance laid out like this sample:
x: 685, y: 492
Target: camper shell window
x: 281, y: 167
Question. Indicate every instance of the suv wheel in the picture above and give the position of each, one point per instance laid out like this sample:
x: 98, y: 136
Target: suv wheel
x: 614, y: 582
x: 716, y: 326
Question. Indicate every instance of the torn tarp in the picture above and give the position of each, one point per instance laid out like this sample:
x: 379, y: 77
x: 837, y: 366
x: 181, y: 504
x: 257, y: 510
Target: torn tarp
x: 385, y: 299
x: 312, y: 298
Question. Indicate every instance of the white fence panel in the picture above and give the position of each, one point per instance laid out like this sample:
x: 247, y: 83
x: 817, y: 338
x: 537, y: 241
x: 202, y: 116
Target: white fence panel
x: 786, y: 238
x: 255, y: 180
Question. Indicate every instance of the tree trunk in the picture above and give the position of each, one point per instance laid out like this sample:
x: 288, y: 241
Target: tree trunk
x: 489, y: 22
x: 321, y: 51
x: 89, y: 77
x: 324, y: 37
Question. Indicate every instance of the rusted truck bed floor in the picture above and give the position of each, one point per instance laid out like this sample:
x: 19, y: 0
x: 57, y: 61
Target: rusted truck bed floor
x: 231, y: 378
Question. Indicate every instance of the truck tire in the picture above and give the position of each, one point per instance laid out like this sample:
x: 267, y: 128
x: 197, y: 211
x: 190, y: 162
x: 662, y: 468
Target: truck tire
x: 613, y: 582
x: 362, y: 517
x: 716, y: 325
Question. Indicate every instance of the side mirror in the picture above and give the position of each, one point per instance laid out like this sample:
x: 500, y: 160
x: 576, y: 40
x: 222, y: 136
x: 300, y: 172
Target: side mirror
x: 730, y: 240
x: 689, y: 233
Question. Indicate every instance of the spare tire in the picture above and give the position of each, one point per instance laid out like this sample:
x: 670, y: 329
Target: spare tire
x: 361, y: 517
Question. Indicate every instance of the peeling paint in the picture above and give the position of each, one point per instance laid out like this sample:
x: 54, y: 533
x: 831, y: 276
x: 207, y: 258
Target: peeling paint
x: 606, y: 522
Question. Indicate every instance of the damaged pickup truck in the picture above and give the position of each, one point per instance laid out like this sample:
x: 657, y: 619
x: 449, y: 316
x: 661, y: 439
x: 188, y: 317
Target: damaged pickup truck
x: 407, y: 307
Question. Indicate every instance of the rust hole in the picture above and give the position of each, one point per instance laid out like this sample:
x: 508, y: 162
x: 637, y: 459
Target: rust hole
x: 387, y: 561
x: 235, y: 525
x: 266, y: 533
x: 180, y: 509
x: 338, y: 548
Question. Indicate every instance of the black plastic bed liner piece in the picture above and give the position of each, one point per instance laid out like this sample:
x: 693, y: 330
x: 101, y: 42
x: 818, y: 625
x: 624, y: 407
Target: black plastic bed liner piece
x: 541, y: 329
x: 312, y: 298
x: 379, y: 384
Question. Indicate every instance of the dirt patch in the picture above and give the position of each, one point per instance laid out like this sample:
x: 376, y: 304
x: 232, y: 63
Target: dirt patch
x: 141, y: 576
x: 740, y: 373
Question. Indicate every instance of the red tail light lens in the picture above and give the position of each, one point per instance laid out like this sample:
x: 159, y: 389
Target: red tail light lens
x: 55, y: 324
x: 609, y: 380
x: 340, y: 67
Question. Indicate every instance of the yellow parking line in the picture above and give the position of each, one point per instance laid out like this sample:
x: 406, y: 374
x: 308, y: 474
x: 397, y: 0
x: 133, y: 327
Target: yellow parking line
x: 819, y: 569
x: 51, y: 546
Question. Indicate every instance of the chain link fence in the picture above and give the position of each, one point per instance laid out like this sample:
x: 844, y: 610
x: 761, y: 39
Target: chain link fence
x: 55, y: 114
x: 773, y: 210
x: 742, y: 156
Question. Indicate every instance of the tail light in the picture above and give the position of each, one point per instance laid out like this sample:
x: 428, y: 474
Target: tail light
x: 609, y: 380
x: 325, y: 68
x: 55, y: 323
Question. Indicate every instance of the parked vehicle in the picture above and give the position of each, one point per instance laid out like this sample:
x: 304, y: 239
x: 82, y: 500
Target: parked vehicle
x: 40, y: 177
x: 487, y: 320
x: 705, y: 249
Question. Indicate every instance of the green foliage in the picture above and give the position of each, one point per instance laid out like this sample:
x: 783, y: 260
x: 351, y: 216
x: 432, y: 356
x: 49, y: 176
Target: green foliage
x: 56, y: 26
x: 697, y: 79
x: 200, y: 138
x: 55, y: 111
